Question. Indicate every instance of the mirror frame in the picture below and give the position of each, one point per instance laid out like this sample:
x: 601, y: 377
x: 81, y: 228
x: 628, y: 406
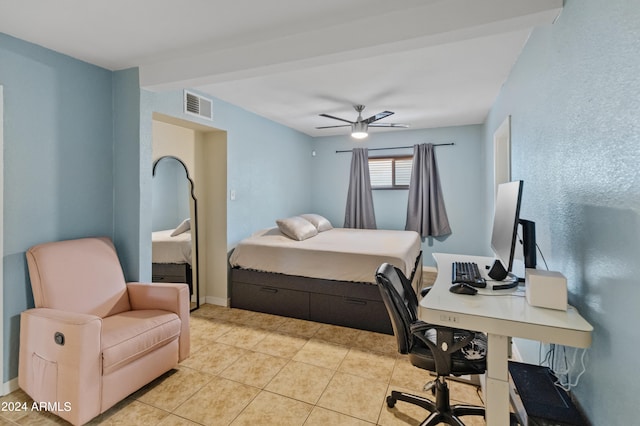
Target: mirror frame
x: 195, y: 218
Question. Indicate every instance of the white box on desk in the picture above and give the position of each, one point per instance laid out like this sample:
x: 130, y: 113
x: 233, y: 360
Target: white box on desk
x: 546, y: 289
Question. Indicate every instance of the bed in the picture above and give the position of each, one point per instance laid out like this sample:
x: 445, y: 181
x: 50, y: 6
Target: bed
x: 171, y: 257
x: 328, y: 278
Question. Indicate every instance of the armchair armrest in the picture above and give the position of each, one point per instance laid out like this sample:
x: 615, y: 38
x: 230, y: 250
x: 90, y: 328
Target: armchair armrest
x: 58, y: 348
x: 168, y: 297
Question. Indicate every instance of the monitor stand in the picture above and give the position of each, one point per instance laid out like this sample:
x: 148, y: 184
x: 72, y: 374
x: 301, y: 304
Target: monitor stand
x: 511, y: 281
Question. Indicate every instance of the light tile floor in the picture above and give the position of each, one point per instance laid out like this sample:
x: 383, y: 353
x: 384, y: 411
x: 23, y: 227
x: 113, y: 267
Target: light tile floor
x: 249, y: 368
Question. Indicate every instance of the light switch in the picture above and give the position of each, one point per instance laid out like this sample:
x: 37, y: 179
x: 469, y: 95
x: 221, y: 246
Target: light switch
x: 232, y: 195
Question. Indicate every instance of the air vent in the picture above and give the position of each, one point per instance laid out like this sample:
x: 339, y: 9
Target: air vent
x: 197, y: 105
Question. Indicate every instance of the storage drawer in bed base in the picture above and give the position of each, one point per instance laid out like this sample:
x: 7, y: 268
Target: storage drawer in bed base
x: 349, y: 304
x: 356, y: 305
x: 350, y: 312
x: 271, y: 300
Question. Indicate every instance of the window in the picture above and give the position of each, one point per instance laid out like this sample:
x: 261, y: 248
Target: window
x: 390, y: 172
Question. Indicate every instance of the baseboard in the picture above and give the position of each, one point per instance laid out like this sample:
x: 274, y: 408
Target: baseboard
x: 10, y: 386
x: 220, y: 301
x: 429, y: 274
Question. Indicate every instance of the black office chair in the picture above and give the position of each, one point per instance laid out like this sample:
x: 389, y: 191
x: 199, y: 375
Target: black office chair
x: 443, y: 350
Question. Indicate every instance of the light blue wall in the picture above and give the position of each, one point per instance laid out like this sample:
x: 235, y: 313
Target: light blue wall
x: 78, y: 163
x: 58, y: 163
x: 462, y: 175
x: 127, y: 197
x: 267, y: 165
x: 574, y: 97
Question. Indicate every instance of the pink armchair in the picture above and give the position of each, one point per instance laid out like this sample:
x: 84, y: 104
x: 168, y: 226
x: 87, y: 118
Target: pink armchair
x: 93, y: 339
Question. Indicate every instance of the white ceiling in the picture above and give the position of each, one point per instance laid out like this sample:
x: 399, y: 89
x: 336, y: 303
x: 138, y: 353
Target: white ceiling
x: 433, y: 62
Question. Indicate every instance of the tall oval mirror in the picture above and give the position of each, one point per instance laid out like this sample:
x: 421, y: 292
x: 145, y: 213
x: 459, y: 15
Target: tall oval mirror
x: 174, y: 224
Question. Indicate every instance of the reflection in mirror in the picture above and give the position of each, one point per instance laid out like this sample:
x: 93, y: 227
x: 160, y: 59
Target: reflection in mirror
x: 174, y: 224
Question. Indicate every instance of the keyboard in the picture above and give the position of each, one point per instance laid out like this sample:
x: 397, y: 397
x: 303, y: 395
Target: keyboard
x: 467, y: 272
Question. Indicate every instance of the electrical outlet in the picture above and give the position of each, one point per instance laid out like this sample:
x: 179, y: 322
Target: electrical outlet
x: 449, y: 318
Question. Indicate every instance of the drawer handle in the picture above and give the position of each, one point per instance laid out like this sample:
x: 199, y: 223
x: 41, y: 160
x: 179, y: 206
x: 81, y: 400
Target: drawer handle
x: 269, y: 290
x: 356, y: 301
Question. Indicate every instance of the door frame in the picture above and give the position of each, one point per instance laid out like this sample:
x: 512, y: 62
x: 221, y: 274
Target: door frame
x: 502, y: 155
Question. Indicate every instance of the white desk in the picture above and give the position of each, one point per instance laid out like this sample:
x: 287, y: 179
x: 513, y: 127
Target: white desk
x: 501, y: 317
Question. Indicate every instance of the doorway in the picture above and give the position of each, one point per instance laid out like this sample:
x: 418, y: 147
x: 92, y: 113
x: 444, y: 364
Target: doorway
x: 204, y: 152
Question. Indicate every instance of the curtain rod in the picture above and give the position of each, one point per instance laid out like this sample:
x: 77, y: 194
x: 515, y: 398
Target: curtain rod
x: 397, y: 147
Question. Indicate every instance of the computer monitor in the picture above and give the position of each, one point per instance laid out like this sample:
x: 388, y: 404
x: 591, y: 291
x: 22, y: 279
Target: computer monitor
x: 505, y: 227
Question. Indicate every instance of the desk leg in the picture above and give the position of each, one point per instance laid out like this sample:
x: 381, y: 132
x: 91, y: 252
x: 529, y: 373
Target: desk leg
x: 497, y: 397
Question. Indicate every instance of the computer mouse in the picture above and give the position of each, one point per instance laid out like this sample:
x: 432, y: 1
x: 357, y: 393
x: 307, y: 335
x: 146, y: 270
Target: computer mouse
x: 462, y: 288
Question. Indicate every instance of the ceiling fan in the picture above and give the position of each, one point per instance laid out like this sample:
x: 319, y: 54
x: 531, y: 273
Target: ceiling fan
x: 360, y: 127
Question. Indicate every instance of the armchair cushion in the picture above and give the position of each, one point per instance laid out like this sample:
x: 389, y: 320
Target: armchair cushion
x: 130, y: 335
x: 81, y: 275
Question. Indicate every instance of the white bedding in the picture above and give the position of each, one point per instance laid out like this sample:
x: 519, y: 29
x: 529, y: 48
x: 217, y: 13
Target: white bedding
x: 338, y: 254
x: 168, y: 249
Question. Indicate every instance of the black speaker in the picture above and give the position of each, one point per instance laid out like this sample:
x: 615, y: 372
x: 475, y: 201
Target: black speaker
x: 497, y: 271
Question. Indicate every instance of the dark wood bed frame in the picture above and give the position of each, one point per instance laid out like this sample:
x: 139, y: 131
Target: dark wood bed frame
x: 172, y: 273
x: 344, y: 303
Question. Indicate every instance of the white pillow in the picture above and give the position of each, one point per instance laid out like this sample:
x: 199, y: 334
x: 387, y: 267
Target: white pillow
x: 297, y: 228
x: 320, y: 222
x: 184, y: 226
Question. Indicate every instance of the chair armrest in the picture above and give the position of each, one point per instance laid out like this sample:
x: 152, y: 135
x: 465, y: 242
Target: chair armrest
x: 443, y: 334
x: 445, y: 344
x: 52, y: 370
x: 420, y: 326
x: 168, y: 297
x: 165, y: 296
x: 63, y: 317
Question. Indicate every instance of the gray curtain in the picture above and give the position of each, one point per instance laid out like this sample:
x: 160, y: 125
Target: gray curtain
x: 359, y: 212
x: 426, y: 213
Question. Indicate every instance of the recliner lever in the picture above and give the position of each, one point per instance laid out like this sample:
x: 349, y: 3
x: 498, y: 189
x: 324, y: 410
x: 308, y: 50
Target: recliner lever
x: 59, y: 338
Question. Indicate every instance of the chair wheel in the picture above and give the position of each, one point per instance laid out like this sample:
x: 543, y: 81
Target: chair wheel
x: 391, y: 402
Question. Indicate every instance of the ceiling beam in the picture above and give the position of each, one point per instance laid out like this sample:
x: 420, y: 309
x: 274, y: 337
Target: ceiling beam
x: 435, y: 23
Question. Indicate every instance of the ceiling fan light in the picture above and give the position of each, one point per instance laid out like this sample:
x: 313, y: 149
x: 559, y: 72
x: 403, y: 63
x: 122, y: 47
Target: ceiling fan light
x: 359, y: 135
x: 359, y: 130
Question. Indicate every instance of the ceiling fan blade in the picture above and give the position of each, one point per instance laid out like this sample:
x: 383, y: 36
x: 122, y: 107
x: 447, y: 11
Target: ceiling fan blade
x: 336, y: 118
x: 400, y: 125
x: 331, y: 127
x: 378, y: 116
